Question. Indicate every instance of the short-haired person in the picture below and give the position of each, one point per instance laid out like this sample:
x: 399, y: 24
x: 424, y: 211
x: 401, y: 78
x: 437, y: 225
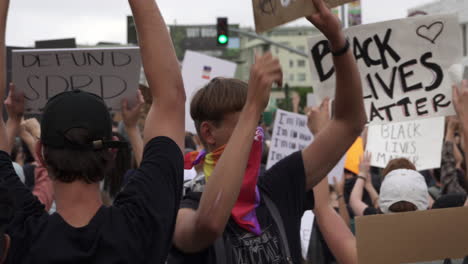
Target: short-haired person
x: 403, y: 189
x: 76, y: 143
x: 234, y: 216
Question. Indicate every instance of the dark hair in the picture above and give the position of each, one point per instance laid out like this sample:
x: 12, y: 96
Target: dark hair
x: 397, y: 164
x: 189, y: 142
x: 219, y: 97
x: 113, y: 181
x: 402, y: 206
x: 69, y: 165
x: 437, y: 174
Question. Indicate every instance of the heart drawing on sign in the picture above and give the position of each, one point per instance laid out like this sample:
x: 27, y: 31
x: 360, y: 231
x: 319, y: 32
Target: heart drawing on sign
x: 431, y: 32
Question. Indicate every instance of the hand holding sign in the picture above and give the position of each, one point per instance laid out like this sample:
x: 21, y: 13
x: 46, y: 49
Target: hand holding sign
x: 265, y: 72
x: 460, y: 100
x: 328, y: 24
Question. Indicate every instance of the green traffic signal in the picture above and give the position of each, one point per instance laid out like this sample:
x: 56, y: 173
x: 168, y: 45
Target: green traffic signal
x: 223, y: 39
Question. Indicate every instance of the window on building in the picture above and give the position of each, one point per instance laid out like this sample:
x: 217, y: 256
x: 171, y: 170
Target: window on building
x: 291, y: 77
x: 301, y: 63
x: 301, y: 77
x: 291, y: 63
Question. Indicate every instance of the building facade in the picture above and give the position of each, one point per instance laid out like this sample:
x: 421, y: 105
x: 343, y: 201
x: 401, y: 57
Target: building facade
x: 295, y: 67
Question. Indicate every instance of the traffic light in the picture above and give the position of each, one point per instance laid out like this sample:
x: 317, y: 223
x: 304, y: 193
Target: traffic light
x: 223, y: 31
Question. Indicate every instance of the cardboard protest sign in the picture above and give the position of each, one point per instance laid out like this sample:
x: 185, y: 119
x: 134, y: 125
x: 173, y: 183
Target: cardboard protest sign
x: 197, y: 71
x: 112, y: 74
x: 413, y: 237
x: 271, y: 13
x: 404, y: 66
x: 420, y: 141
x: 291, y: 134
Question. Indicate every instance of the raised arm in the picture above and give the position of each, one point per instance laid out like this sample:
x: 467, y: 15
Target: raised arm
x: 363, y: 181
x: 4, y: 144
x: 197, y: 230
x: 167, y: 114
x: 15, y: 108
x: 335, y: 231
x: 349, y: 115
x: 342, y: 208
x: 25, y: 203
x: 460, y: 100
x: 130, y: 117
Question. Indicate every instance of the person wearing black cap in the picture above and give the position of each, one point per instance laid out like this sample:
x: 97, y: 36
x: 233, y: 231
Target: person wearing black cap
x: 76, y: 148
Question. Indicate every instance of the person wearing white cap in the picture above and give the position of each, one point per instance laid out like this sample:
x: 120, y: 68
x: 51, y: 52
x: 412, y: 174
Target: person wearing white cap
x: 402, y: 191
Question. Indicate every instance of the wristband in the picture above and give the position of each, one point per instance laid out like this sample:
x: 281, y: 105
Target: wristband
x: 341, y: 51
x: 362, y: 178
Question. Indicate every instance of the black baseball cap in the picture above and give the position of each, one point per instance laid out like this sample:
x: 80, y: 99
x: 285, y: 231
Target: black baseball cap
x: 77, y: 109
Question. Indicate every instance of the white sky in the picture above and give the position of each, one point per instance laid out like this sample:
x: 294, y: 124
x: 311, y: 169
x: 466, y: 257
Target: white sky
x: 91, y: 21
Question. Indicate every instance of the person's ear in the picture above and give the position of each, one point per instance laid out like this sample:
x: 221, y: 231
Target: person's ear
x: 40, y: 154
x: 207, y: 135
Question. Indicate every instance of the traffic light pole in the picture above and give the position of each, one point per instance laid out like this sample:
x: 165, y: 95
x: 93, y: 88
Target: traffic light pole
x: 269, y: 41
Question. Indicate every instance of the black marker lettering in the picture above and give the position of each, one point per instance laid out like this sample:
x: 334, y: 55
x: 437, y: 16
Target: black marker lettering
x: 404, y: 75
x: 439, y: 73
x: 437, y: 102
x: 120, y: 59
x: 319, y: 51
x: 421, y: 103
x: 385, y: 47
x: 388, y: 89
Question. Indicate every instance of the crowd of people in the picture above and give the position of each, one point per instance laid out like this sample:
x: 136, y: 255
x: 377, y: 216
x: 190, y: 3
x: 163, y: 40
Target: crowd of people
x: 77, y: 187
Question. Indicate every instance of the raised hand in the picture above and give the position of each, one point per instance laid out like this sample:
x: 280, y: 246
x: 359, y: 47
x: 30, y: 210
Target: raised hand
x: 33, y: 127
x: 460, y: 100
x: 265, y: 72
x: 328, y: 24
x: 318, y: 117
x: 14, y: 104
x: 130, y: 116
x: 365, y: 164
x: 339, y: 185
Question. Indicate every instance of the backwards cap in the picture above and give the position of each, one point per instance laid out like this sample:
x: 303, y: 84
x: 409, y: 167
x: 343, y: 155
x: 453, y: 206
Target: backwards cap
x: 77, y: 109
x: 403, y: 185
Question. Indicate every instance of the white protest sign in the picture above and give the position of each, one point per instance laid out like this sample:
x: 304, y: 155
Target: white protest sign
x: 112, y: 74
x: 404, y: 66
x: 311, y: 100
x: 291, y: 134
x: 420, y: 141
x: 307, y: 223
x: 197, y: 71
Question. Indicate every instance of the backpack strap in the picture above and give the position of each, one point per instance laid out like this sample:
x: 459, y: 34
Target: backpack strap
x: 279, y: 223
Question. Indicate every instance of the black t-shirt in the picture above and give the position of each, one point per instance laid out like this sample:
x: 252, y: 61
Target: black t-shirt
x: 285, y: 185
x: 138, y: 228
